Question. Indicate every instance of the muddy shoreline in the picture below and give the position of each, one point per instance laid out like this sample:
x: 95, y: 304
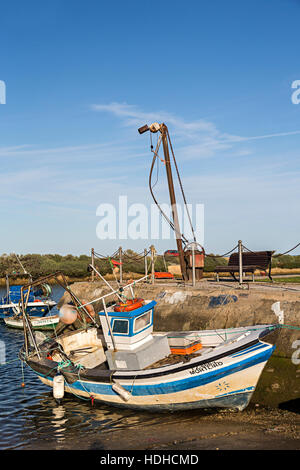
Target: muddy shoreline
x: 256, y: 428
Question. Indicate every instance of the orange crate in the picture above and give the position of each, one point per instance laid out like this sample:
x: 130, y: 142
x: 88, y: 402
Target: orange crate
x: 189, y: 349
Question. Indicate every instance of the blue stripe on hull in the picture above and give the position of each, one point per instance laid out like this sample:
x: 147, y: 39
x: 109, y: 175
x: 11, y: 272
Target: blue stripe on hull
x: 237, y: 400
x: 178, y: 385
x: 250, y: 349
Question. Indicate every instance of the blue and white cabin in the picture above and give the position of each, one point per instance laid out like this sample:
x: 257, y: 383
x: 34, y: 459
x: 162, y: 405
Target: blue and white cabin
x: 132, y: 346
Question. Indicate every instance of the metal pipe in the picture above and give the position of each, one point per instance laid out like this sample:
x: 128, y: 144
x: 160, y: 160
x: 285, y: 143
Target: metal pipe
x: 107, y: 283
x: 108, y: 324
x: 115, y: 292
x: 240, y: 248
x: 26, y: 322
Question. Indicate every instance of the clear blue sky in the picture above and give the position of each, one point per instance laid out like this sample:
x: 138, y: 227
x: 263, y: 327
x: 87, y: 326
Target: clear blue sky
x: 82, y: 76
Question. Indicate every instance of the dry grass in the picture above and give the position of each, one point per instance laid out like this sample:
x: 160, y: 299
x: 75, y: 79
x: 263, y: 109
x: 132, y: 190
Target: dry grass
x: 285, y: 271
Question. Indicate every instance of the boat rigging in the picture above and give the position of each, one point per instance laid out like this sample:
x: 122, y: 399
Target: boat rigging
x: 187, y: 251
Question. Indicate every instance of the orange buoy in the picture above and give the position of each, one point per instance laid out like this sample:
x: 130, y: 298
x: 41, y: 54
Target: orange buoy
x: 129, y: 305
x: 91, y: 312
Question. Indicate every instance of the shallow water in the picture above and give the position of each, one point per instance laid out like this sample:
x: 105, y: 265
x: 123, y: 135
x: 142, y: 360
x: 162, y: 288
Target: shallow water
x: 31, y: 418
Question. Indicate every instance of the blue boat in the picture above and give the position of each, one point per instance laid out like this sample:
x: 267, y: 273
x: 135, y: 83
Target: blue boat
x: 39, y: 301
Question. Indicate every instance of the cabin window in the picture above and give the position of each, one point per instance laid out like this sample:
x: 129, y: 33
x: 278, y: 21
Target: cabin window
x: 120, y: 326
x: 142, y: 322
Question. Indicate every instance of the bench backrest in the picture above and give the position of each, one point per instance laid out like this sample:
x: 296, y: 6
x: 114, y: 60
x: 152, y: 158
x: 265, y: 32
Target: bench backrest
x: 261, y: 259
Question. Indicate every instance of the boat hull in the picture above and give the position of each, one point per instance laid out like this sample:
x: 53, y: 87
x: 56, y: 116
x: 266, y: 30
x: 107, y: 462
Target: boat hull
x: 37, y: 323
x: 34, y: 309
x: 228, y: 382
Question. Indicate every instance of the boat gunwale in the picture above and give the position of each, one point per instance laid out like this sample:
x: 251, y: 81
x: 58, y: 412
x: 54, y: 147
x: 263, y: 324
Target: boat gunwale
x: 104, y: 375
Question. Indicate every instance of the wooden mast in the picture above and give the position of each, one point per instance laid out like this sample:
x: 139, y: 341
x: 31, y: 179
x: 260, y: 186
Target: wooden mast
x: 155, y: 127
x: 164, y: 133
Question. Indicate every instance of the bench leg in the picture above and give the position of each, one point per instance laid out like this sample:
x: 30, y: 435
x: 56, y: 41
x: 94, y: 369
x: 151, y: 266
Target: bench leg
x: 253, y: 277
x: 232, y: 274
x: 218, y: 279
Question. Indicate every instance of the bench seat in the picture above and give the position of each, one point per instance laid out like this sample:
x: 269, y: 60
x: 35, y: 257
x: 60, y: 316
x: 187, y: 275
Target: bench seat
x: 251, y: 261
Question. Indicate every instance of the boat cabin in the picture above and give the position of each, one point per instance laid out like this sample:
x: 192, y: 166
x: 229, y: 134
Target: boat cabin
x: 129, y: 340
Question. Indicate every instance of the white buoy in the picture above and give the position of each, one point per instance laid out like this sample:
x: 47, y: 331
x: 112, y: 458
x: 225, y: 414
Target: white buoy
x: 121, y: 391
x: 58, y: 387
x: 67, y: 314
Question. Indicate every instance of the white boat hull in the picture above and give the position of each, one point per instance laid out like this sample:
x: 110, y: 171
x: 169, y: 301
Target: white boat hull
x: 38, y: 323
x: 223, y: 379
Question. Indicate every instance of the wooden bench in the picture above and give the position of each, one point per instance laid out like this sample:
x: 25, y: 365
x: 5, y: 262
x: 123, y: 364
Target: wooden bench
x: 250, y: 262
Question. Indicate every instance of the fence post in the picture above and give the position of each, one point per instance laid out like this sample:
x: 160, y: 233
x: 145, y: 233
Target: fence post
x: 152, y: 264
x: 193, y: 265
x: 121, y: 265
x: 145, y: 262
x: 93, y: 263
x: 240, y: 262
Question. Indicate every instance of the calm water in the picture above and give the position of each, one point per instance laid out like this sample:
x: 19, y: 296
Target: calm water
x: 31, y: 419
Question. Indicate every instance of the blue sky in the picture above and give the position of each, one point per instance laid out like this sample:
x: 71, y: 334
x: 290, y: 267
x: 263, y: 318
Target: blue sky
x: 81, y: 77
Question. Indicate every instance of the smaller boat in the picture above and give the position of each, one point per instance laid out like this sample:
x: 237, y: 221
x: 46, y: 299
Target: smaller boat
x: 48, y: 322
x: 39, y: 301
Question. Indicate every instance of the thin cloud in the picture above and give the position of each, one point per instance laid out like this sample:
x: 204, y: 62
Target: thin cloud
x: 204, y: 138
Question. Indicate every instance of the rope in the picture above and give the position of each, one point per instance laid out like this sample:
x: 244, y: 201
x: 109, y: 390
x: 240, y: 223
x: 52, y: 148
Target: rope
x: 290, y: 327
x: 281, y: 254
x: 137, y: 257
x: 222, y: 256
x: 181, y: 187
x: 23, y: 378
x: 105, y: 257
x: 151, y: 189
x: 63, y: 364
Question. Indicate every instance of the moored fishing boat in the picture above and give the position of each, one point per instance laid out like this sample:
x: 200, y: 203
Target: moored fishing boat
x: 119, y: 360
x: 39, y: 301
x: 48, y: 322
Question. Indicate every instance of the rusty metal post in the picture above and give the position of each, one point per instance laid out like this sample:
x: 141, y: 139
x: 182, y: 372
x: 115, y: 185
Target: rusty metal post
x: 164, y: 131
x: 93, y: 263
